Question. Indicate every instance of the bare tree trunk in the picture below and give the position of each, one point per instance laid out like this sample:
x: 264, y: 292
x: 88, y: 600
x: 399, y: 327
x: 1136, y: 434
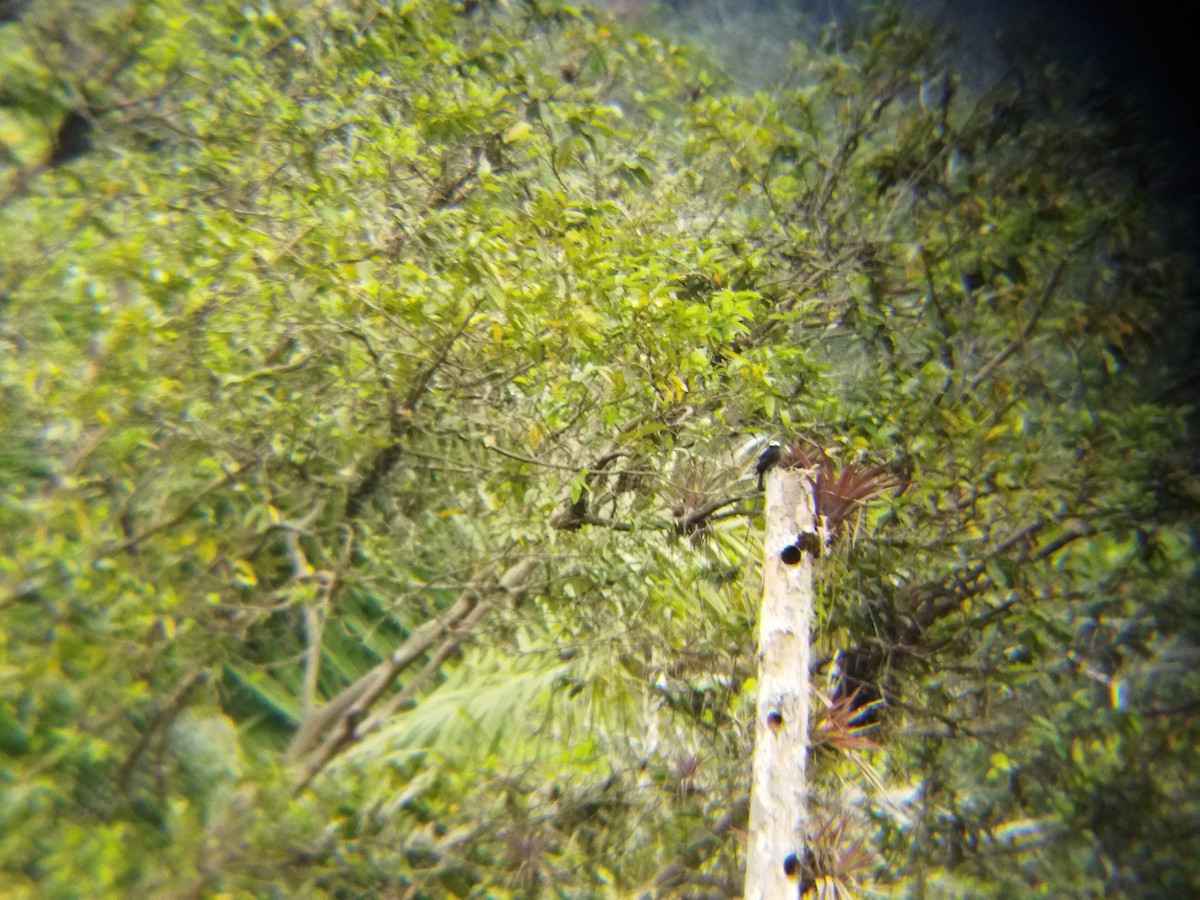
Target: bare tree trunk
x: 778, y: 809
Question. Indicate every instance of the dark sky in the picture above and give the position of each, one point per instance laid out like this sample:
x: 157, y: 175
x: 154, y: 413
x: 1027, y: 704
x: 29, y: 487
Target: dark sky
x: 1151, y: 49
x: 1150, y: 46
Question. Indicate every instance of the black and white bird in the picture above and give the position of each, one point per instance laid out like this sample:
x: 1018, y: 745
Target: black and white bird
x: 768, y: 458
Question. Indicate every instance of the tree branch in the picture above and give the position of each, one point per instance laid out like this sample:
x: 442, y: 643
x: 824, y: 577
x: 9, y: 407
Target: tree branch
x: 162, y: 719
x: 944, y: 599
x: 401, y: 424
x: 341, y: 720
x: 1040, y: 307
x: 215, y: 485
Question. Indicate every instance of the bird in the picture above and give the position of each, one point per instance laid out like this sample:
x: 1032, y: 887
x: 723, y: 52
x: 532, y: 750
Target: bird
x: 768, y: 458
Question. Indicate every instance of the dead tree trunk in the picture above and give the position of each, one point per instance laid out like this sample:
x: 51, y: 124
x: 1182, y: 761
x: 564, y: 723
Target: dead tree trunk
x: 778, y: 807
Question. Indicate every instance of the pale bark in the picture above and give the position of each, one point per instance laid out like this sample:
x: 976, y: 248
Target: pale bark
x: 778, y: 809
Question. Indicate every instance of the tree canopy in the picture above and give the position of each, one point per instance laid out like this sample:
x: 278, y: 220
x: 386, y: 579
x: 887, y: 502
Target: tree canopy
x: 381, y: 387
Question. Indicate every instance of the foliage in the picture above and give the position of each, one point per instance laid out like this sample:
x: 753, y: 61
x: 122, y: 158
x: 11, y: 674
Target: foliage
x: 345, y: 312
